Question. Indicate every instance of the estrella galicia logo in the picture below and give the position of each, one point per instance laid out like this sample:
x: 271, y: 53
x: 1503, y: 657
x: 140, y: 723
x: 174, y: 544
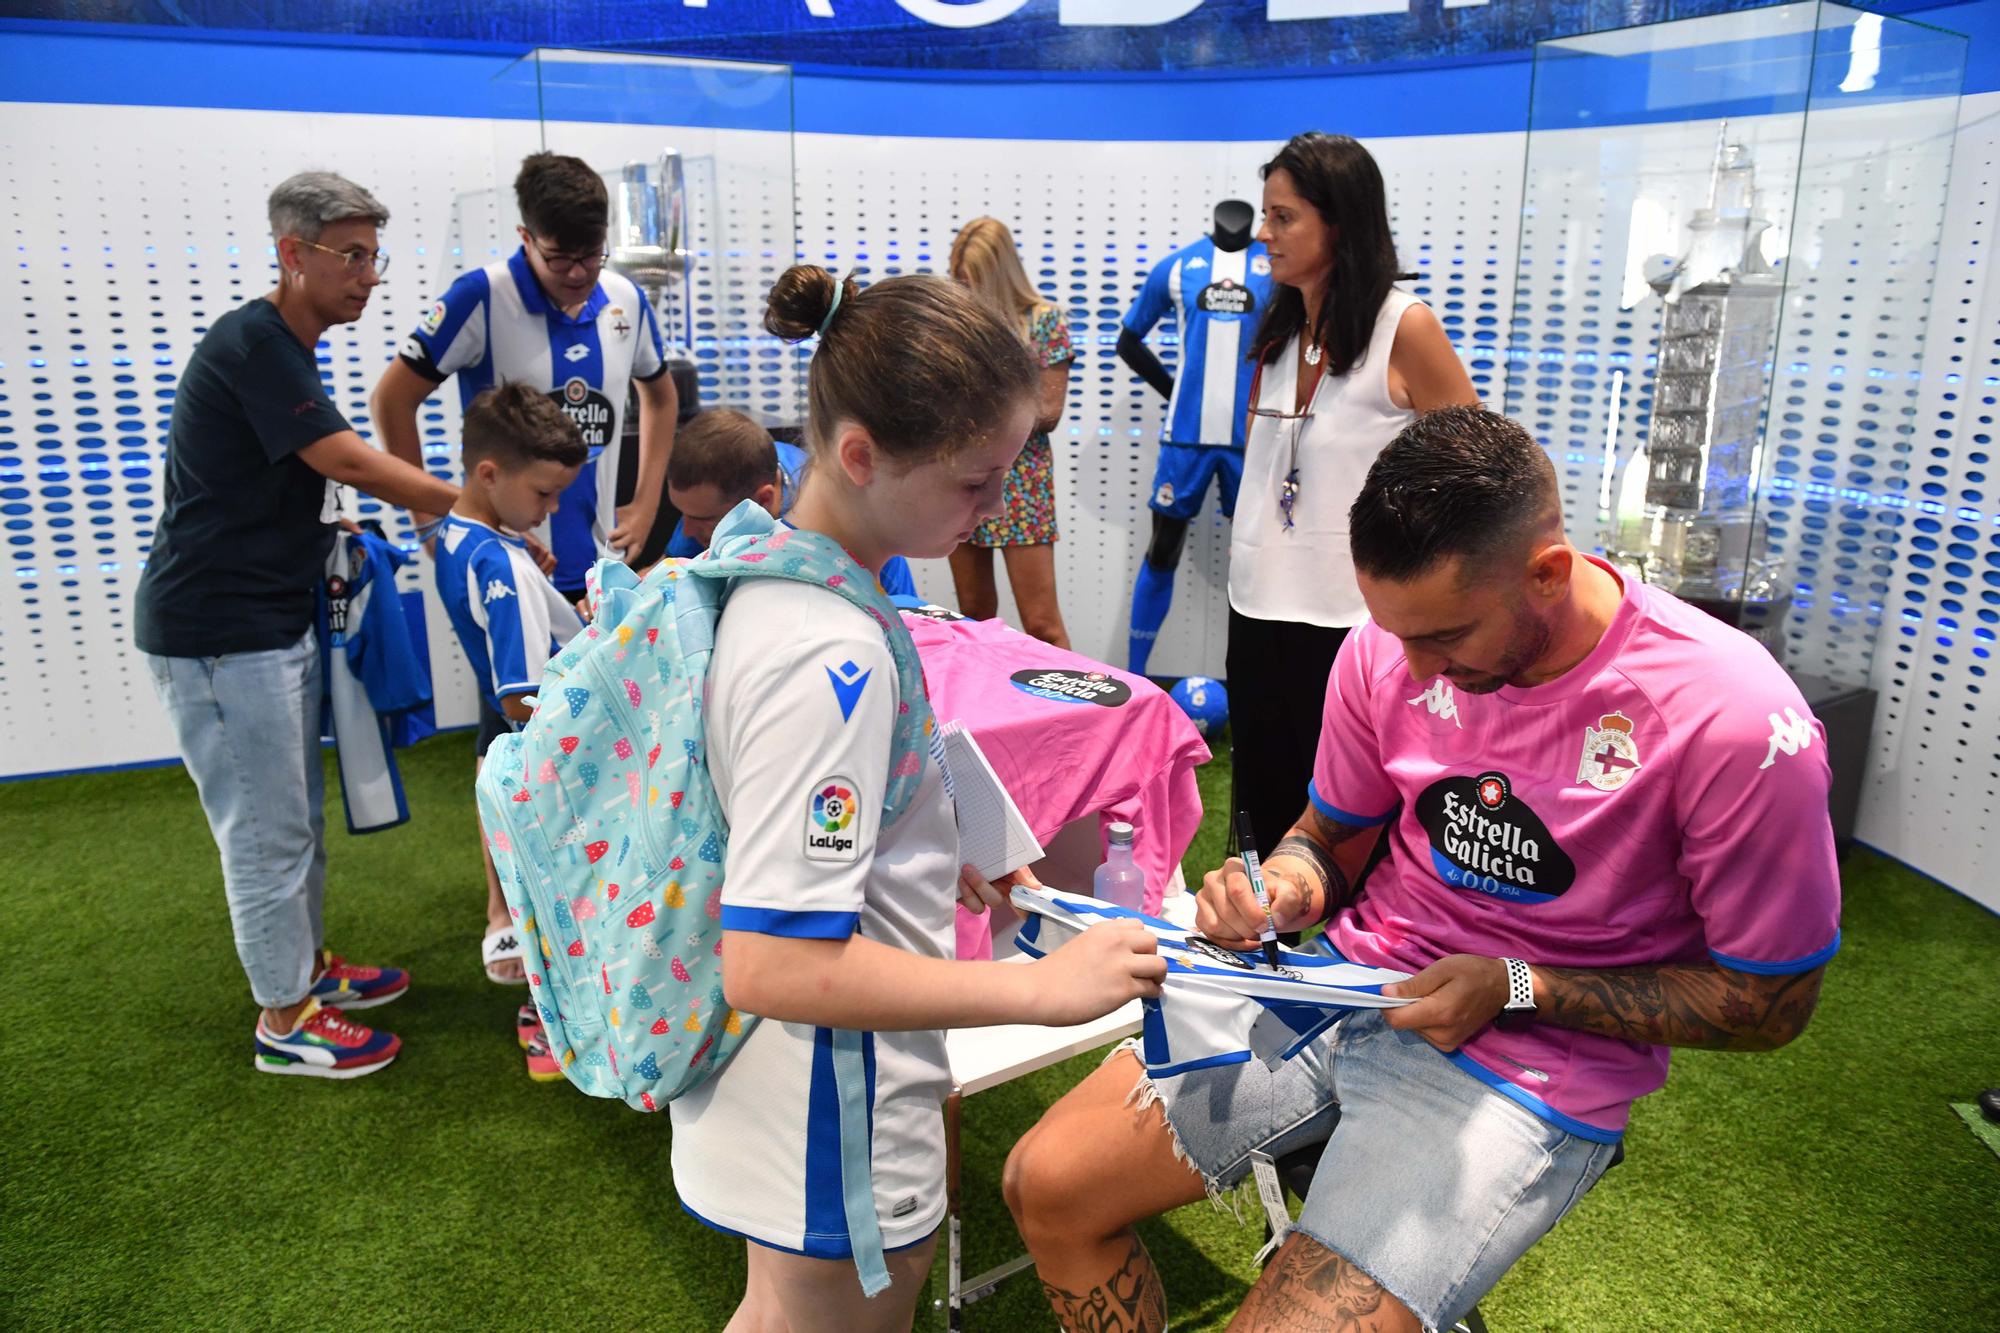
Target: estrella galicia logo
x: 1226, y: 297
x: 589, y: 409
x: 1485, y: 839
x: 1073, y: 687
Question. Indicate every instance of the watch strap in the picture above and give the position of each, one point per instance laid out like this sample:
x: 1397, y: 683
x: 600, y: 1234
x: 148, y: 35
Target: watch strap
x: 1520, y: 988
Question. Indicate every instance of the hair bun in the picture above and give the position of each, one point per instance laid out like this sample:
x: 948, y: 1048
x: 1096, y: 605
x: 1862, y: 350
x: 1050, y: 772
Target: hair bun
x: 801, y: 299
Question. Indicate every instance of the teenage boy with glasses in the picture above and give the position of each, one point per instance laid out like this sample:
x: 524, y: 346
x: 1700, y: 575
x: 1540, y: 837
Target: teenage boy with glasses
x: 552, y: 317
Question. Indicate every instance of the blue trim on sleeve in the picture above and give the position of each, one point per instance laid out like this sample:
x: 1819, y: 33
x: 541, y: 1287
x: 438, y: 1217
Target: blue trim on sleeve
x: 791, y: 925
x: 1567, y: 1123
x: 1805, y: 964
x: 1332, y: 811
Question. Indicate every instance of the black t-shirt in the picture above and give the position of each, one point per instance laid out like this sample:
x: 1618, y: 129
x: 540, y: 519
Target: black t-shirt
x: 241, y: 542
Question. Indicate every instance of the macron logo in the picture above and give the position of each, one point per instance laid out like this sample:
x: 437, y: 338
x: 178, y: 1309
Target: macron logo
x: 848, y: 681
x: 495, y: 591
x: 1789, y: 734
x: 1441, y: 702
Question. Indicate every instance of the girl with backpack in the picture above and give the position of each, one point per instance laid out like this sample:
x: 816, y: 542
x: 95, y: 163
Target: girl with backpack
x: 836, y: 930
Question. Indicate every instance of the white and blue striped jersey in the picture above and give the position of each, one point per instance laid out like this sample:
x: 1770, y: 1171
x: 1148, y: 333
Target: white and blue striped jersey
x: 509, y: 618
x: 1217, y: 297
x: 802, y: 703
x: 495, y: 325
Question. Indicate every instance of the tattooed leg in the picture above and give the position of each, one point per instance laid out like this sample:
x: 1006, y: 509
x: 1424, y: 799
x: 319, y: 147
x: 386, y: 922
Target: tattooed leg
x: 1309, y: 1287
x: 1131, y: 1300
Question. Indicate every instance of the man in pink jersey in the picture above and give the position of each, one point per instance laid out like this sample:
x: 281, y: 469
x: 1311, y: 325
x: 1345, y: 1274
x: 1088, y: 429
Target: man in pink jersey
x: 1607, y: 830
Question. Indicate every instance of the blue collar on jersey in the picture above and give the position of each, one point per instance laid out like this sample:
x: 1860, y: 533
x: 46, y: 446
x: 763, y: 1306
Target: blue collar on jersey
x: 503, y: 535
x: 537, y: 302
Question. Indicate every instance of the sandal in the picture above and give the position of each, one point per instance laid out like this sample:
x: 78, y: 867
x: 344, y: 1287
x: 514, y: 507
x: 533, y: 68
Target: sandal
x: 499, y: 946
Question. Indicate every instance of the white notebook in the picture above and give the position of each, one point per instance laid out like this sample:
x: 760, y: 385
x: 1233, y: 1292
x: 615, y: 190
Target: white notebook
x: 993, y: 837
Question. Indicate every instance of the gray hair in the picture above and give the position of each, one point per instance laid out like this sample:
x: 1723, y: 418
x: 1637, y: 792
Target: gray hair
x: 302, y: 205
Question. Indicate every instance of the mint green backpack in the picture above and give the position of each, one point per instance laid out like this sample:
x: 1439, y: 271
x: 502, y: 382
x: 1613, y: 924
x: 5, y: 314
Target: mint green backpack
x: 611, y: 846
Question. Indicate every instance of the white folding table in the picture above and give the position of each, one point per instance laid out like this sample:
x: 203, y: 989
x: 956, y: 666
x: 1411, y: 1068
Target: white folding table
x: 983, y: 1058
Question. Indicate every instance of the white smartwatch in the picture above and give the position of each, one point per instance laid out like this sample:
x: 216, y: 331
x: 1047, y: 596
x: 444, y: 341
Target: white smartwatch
x: 1520, y: 988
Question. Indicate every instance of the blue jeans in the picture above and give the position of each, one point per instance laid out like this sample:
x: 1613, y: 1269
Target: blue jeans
x: 1433, y: 1184
x: 248, y: 727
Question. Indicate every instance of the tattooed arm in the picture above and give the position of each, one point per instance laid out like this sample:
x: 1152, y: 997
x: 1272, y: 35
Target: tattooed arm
x: 1307, y: 875
x: 1668, y: 1004
x: 1684, y: 1004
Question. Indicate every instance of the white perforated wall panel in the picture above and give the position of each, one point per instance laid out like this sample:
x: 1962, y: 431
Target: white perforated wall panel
x: 1091, y: 220
x: 1933, y: 794
x: 137, y: 226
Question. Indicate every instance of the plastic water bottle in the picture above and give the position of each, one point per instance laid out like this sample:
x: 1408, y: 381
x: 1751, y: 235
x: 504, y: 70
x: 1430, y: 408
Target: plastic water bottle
x: 1118, y: 880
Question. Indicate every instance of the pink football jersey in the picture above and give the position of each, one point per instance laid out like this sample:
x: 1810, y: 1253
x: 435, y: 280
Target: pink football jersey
x: 1663, y: 801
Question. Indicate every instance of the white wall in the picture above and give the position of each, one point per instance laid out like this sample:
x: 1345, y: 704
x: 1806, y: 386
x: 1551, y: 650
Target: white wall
x: 138, y: 225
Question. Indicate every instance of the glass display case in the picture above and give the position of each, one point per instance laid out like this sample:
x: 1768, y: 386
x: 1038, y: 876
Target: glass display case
x: 696, y: 157
x: 1728, y: 239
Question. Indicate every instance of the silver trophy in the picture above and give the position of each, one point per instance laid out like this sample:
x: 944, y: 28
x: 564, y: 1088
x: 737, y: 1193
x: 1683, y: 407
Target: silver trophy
x: 1687, y: 518
x: 649, y: 239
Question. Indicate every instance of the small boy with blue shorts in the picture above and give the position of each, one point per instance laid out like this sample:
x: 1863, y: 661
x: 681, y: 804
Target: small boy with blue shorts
x: 520, y: 451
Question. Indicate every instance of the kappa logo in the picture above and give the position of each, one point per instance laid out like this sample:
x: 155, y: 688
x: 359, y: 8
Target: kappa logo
x: 1441, y: 702
x: 1197, y: 262
x: 495, y: 591
x: 848, y: 682
x: 1789, y: 734
x: 575, y: 352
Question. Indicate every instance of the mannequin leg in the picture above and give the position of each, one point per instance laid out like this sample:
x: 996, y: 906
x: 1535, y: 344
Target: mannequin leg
x: 1153, y: 591
x: 972, y: 576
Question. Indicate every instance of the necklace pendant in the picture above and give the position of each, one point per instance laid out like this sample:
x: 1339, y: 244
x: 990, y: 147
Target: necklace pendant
x: 1312, y: 354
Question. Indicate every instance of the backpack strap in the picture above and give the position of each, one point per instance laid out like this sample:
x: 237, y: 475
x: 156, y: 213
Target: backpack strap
x: 748, y: 543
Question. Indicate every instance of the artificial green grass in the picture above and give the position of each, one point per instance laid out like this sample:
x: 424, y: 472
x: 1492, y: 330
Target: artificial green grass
x: 153, y: 1180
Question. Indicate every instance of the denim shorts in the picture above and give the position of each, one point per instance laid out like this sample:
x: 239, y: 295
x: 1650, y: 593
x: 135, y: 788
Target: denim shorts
x: 1432, y: 1183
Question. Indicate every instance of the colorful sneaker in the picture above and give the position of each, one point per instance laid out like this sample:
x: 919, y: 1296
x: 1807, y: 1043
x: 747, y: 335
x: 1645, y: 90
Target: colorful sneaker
x: 325, y: 1044
x: 542, y: 1064
x: 343, y: 985
x: 527, y: 1025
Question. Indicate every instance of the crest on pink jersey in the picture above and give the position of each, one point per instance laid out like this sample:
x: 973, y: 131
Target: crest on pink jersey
x: 1610, y: 755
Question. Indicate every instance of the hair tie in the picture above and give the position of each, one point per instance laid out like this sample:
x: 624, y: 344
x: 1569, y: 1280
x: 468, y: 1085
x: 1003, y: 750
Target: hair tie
x: 839, y: 290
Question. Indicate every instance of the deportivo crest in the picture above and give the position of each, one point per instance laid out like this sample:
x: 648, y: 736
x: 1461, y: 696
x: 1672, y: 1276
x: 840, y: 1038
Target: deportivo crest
x: 1610, y: 755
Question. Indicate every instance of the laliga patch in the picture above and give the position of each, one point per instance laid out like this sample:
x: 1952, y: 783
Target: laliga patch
x: 831, y: 808
x: 435, y: 319
x: 1073, y: 687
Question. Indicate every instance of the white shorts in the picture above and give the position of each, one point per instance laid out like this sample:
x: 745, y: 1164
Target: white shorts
x: 757, y: 1148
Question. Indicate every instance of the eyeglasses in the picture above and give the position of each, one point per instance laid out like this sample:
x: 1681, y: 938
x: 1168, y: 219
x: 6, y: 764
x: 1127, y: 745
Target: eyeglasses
x: 355, y: 259
x: 561, y: 263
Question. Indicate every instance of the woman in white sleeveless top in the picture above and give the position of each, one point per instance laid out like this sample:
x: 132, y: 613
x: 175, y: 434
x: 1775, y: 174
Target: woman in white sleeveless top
x: 1347, y: 361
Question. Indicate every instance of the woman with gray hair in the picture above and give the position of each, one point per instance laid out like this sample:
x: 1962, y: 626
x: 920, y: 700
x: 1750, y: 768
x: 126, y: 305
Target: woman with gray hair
x: 224, y: 615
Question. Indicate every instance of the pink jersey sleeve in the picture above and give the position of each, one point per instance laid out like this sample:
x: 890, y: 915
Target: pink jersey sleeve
x: 1350, y: 782
x: 1756, y: 841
